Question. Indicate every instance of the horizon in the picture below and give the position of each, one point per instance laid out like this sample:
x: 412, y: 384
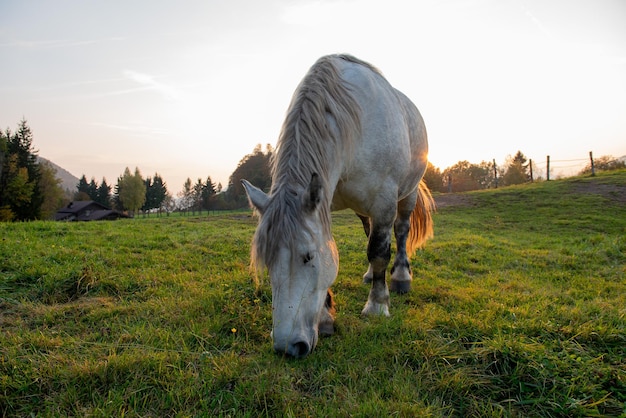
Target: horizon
x: 186, y: 92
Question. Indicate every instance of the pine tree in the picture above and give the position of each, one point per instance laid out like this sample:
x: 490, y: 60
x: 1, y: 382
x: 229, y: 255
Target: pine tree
x: 208, y: 192
x: 197, y: 196
x: 159, y: 191
x: 20, y: 198
x: 82, y: 189
x: 156, y: 190
x: 147, y: 205
x: 517, y: 170
x: 103, y: 194
x: 5, y: 210
x: 93, y: 189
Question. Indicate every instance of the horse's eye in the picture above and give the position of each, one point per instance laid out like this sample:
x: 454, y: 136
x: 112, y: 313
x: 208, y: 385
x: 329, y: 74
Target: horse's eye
x: 307, y: 257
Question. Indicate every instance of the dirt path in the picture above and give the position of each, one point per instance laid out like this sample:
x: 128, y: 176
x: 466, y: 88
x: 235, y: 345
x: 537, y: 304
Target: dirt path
x: 614, y: 192
x: 452, y: 199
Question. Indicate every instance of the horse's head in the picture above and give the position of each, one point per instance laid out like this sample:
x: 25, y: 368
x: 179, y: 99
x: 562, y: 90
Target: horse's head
x: 293, y: 241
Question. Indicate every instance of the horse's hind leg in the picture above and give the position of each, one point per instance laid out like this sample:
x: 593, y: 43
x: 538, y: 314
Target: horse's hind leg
x: 378, y: 255
x: 369, y: 274
x: 401, y: 270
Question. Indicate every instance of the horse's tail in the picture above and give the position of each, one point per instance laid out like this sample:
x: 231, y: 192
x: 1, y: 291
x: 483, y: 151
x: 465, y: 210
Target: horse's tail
x: 421, y: 219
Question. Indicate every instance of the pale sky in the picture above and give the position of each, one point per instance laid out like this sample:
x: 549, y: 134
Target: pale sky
x: 187, y: 88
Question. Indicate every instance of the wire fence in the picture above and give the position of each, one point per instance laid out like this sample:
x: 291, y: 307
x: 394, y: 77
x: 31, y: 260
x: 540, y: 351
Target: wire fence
x: 550, y: 169
x: 559, y: 168
x: 495, y: 175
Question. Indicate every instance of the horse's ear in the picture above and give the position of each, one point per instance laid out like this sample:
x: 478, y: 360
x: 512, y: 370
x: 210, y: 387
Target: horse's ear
x: 257, y: 198
x: 314, y: 195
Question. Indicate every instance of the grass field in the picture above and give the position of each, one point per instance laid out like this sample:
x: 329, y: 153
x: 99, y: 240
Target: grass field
x: 517, y: 309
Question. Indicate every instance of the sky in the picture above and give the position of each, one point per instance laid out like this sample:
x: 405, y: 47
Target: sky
x: 188, y: 88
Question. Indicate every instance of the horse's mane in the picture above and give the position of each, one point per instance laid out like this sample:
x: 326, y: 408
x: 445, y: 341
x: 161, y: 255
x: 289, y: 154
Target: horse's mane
x: 322, y: 123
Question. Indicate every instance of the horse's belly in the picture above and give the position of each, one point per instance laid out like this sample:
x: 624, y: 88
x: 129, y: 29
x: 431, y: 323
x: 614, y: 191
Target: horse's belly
x: 365, y: 196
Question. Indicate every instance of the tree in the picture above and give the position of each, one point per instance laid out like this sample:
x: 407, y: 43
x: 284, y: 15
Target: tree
x: 82, y: 190
x: 156, y: 191
x: 27, y: 157
x: 4, y: 151
x: 209, y: 190
x: 160, y: 192
x: 20, y: 198
x: 168, y: 205
x: 517, y: 170
x: 103, y: 193
x: 197, y: 197
x: 5, y: 210
x: 604, y: 163
x: 465, y: 176
x: 433, y: 178
x: 131, y: 190
x: 93, y: 189
x: 185, y: 196
x: 18, y: 190
x: 253, y: 167
x: 51, y: 191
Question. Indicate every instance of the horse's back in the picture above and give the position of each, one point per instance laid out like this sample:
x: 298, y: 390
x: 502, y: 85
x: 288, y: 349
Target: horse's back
x: 389, y: 156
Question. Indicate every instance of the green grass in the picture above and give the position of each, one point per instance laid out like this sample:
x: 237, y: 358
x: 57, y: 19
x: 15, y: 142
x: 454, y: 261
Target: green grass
x: 517, y: 309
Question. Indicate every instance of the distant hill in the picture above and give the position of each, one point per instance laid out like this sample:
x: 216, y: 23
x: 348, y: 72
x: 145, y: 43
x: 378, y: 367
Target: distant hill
x: 68, y: 180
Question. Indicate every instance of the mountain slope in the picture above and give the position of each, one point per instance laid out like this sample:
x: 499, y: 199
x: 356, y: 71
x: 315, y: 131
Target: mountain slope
x: 68, y: 180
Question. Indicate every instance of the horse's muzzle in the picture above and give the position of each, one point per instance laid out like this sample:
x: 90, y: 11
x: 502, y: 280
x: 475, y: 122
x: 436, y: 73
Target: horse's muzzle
x: 298, y: 347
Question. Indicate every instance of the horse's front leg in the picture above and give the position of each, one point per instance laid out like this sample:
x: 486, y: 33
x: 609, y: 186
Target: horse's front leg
x: 378, y: 255
x: 327, y: 318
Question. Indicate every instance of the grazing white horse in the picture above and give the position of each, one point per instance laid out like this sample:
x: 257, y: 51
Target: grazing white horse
x: 349, y: 140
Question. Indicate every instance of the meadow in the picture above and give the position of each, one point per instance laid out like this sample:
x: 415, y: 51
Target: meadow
x: 517, y: 309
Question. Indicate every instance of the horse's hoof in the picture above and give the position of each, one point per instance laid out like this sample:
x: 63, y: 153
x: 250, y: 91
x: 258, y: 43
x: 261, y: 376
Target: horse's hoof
x: 400, y: 287
x: 380, y: 309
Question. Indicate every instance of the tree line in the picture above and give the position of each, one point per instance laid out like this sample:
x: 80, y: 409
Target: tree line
x: 30, y: 189
x: 465, y: 176
x: 132, y: 193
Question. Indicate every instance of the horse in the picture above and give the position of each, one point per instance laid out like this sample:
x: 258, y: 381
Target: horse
x: 349, y: 140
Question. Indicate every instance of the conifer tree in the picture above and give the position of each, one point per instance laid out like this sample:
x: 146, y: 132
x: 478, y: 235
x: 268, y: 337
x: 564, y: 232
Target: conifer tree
x: 208, y: 192
x: 82, y: 189
x: 20, y: 198
x: 156, y: 191
x: 103, y: 194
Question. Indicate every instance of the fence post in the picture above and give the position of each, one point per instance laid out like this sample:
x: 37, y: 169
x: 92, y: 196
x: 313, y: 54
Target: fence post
x: 548, y: 169
x: 495, y: 172
x: 593, y: 168
x: 530, y: 164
